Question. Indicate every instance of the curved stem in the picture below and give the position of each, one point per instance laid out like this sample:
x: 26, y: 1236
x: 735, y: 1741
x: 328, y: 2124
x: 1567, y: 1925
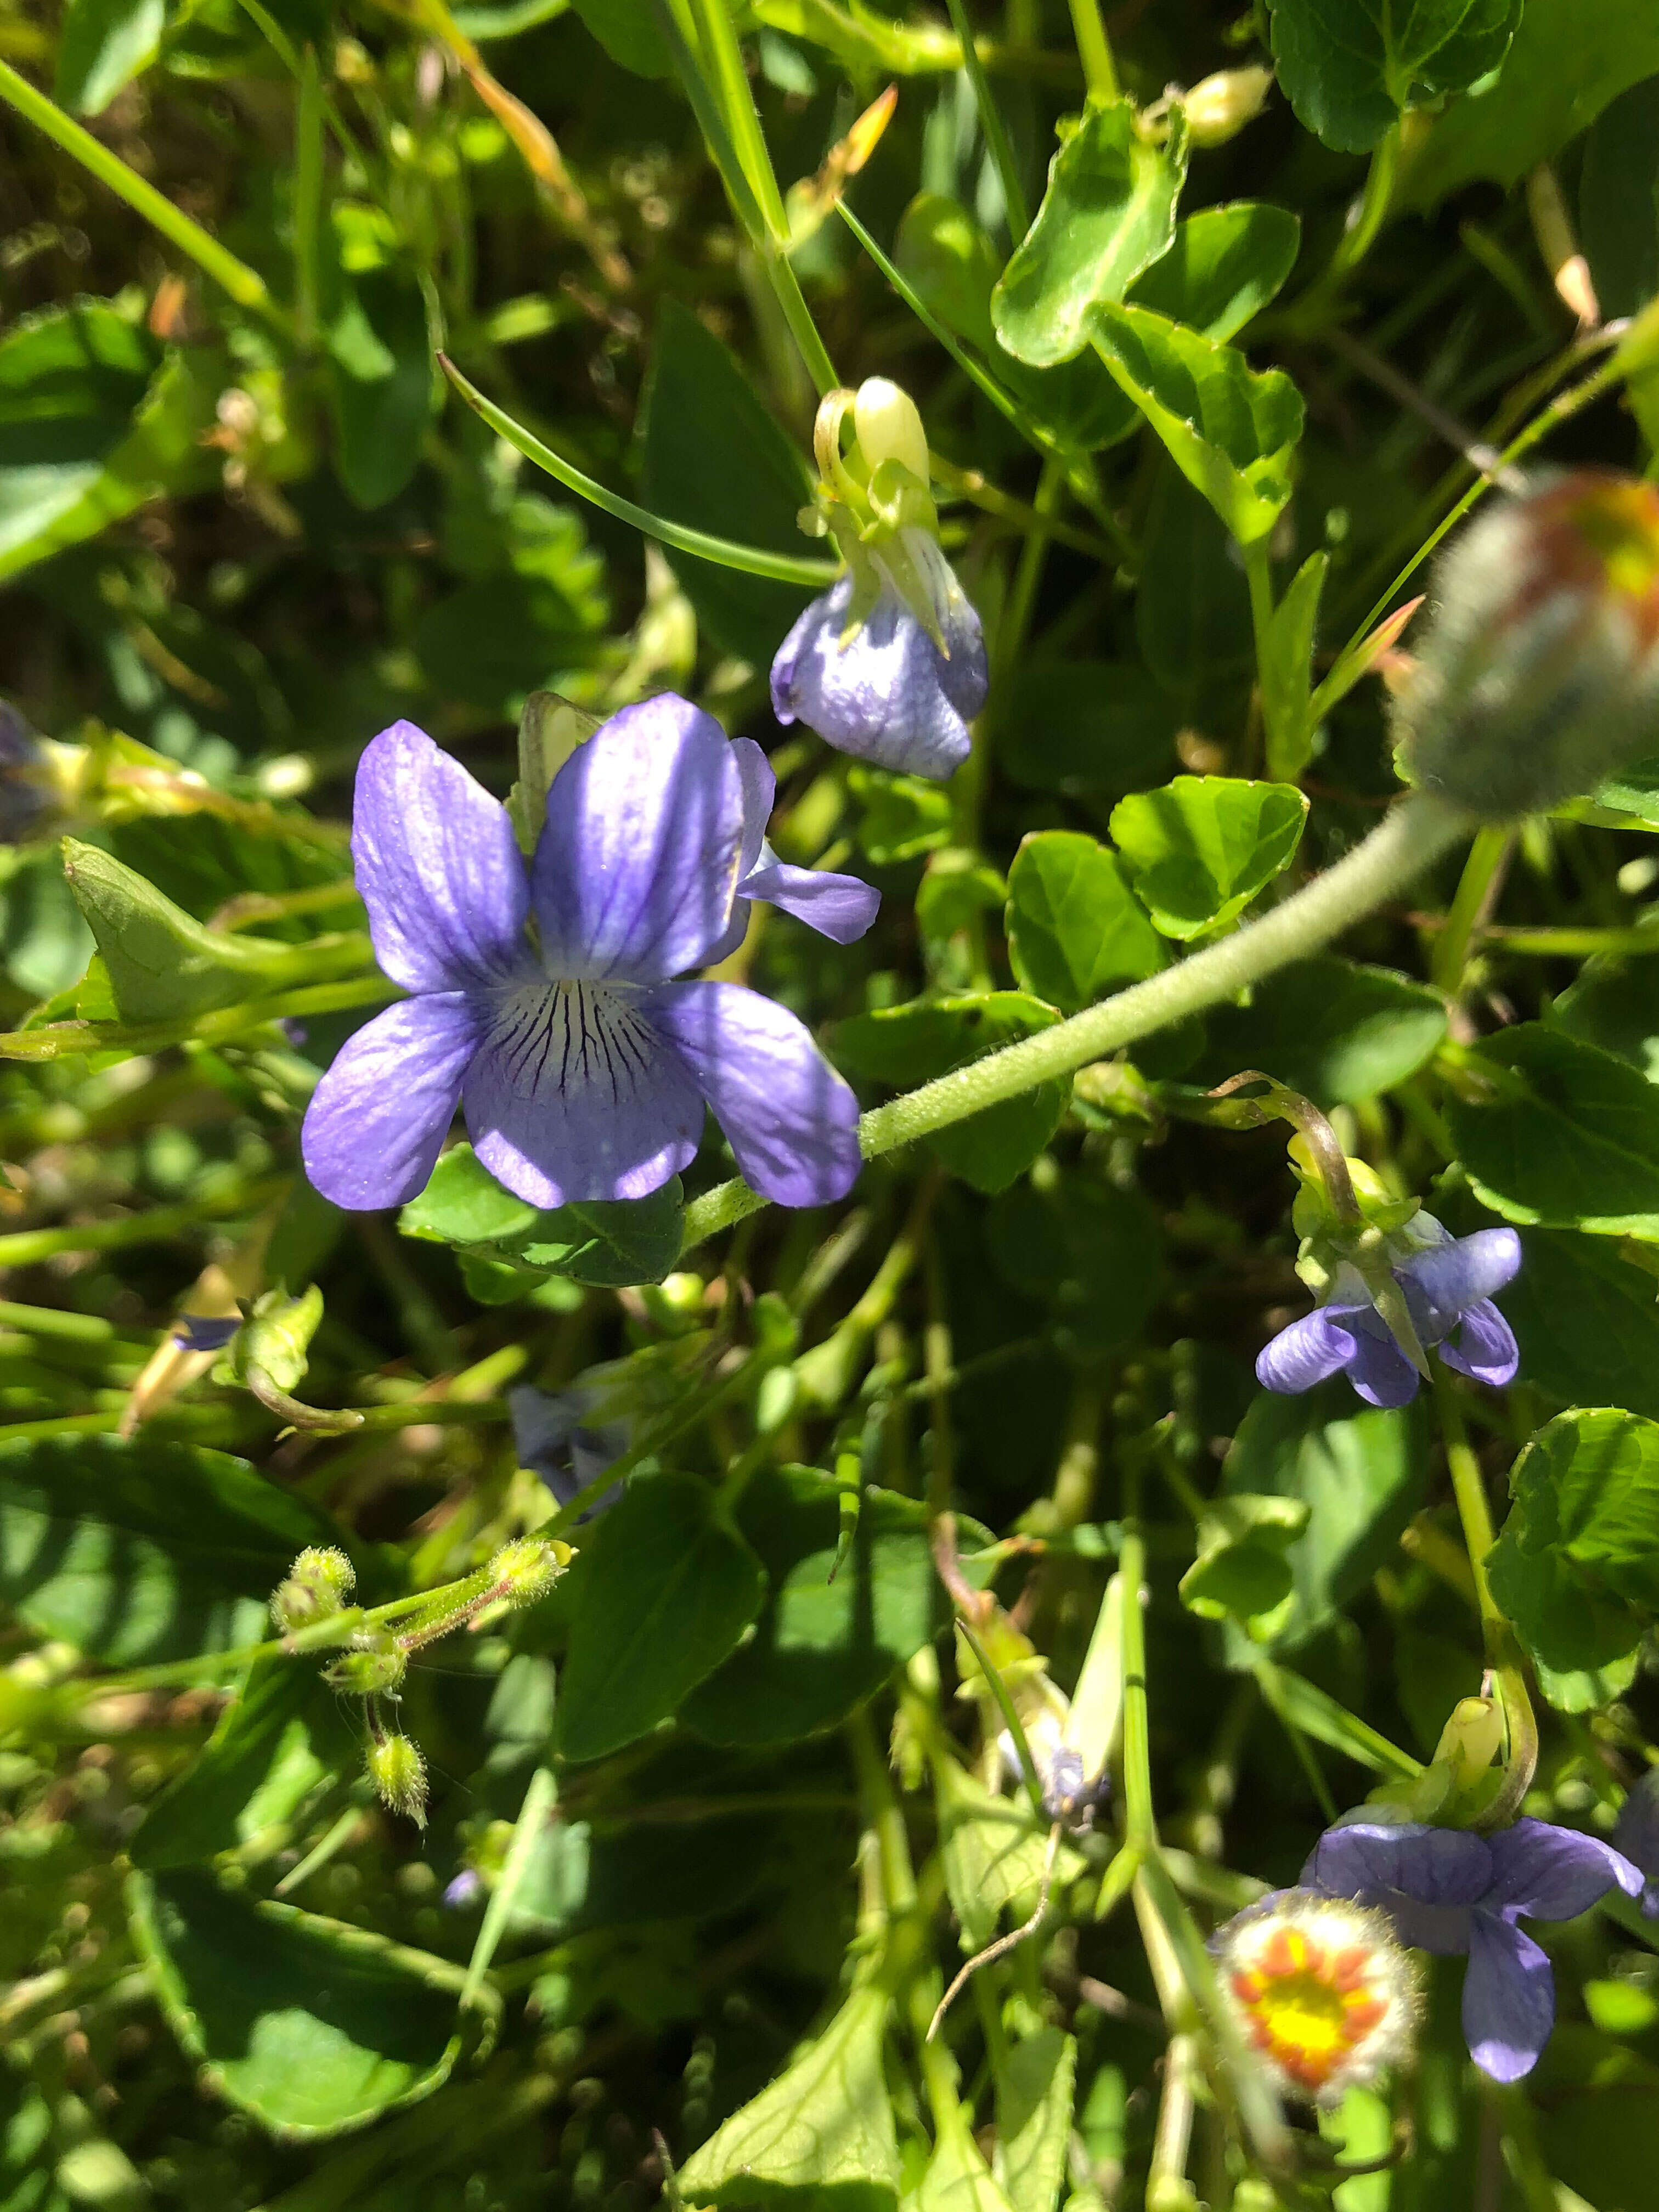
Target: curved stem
x: 1406, y: 841
x: 1094, y: 50
x: 754, y: 560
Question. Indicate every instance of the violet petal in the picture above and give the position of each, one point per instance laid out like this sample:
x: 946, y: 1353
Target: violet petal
x: 1427, y: 1878
x: 572, y: 1097
x: 1508, y: 1999
x: 1307, y: 1352
x: 1555, y: 1874
x: 1482, y: 1344
x: 792, y: 1120
x: 840, y: 908
x: 886, y: 694
x: 437, y: 865
x: 378, y: 1120
x: 636, y: 869
x: 1453, y: 1276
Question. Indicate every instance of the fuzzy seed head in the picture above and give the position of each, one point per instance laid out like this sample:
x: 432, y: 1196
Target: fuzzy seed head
x: 317, y: 1586
x: 398, y: 1773
x: 1320, y: 1990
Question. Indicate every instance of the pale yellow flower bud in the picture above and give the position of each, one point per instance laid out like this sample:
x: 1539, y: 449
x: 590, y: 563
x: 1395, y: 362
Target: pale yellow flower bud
x: 888, y: 427
x: 1219, y: 106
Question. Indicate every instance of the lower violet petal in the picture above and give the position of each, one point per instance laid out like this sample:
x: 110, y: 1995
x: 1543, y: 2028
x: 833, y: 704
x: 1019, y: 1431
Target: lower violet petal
x: 571, y: 1097
x: 792, y: 1120
x: 1379, y: 1370
x: 378, y: 1119
x: 1508, y: 1999
x: 1305, y: 1353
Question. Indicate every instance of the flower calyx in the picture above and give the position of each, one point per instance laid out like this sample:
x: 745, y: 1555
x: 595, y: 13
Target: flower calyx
x: 874, y: 500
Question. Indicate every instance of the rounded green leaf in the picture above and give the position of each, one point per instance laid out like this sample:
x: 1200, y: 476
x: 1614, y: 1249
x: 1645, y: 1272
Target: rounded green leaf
x: 1202, y: 847
x: 660, y: 1595
x: 1561, y: 1134
x: 1074, y: 929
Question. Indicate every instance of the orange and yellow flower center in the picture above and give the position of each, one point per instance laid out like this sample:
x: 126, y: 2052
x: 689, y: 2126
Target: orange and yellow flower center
x: 1308, y: 2004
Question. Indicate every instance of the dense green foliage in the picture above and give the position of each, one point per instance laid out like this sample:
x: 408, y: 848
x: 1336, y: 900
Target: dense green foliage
x: 707, y: 1825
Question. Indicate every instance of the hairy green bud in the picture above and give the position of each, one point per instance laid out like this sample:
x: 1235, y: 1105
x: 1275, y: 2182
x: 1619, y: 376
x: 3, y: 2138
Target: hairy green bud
x: 528, y: 1568
x: 317, y: 1584
x: 372, y: 1666
x: 398, y: 1773
x: 1539, y: 673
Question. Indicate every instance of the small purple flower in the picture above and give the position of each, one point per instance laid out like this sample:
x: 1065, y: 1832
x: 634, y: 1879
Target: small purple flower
x: 541, y: 995
x: 880, y: 687
x: 23, y: 796
x: 1448, y: 1890
x: 1448, y: 1283
x: 552, y: 1438
x: 1636, y: 1833
x: 199, y: 1333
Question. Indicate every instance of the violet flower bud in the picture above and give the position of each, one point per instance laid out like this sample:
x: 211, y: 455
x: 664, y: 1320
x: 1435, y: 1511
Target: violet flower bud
x: 1539, y: 673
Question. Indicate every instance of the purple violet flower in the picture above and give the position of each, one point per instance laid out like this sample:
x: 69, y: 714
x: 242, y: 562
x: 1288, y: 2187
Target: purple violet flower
x: 880, y: 688
x: 202, y: 1332
x: 551, y: 1436
x: 583, y: 1068
x: 1448, y: 1890
x: 1448, y: 1282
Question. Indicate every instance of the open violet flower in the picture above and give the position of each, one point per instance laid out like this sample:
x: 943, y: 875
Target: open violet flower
x: 1450, y: 1891
x: 542, y: 993
x: 879, y: 687
x: 1448, y: 1283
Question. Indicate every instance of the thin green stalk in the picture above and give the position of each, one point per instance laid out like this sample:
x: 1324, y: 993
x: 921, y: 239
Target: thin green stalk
x: 1407, y: 840
x: 730, y: 125
x: 1451, y: 949
x: 1502, y: 1649
x: 307, y: 200
x: 754, y: 560
x: 67, y: 1040
x: 1359, y: 237
x: 245, y: 285
x: 1094, y: 50
x: 996, y: 134
x: 1140, y: 1814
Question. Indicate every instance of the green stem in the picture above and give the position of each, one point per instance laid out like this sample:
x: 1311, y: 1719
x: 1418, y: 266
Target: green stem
x: 1140, y: 1814
x: 1360, y: 236
x: 245, y: 285
x: 996, y: 135
x: 1502, y: 1652
x: 1451, y: 949
x: 732, y: 127
x: 65, y: 1040
x: 786, y: 567
x: 1094, y: 50
x: 1407, y: 840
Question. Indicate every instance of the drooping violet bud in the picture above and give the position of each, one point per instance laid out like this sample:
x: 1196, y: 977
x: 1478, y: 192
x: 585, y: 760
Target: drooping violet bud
x: 1538, y: 674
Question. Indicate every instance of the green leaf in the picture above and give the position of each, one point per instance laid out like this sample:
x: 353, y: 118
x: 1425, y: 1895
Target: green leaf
x: 1225, y: 263
x: 1566, y: 64
x: 162, y: 962
x: 715, y: 460
x: 956, y: 2177
x: 992, y: 1850
x: 1035, y: 2078
x: 1241, y: 1573
x: 1568, y: 1136
x: 1228, y: 427
x: 1201, y: 848
x: 822, y: 1645
x: 627, y: 29
x: 1286, y: 662
x: 1619, y: 201
x: 379, y: 380
x: 1109, y: 213
x: 1334, y: 1031
x: 660, y: 1595
x: 1193, y: 604
x: 906, y: 1045
x: 1586, y: 1322
x: 903, y: 816
x: 1358, y: 1472
x: 1614, y: 1003
x: 93, y: 421
x: 279, y: 1743
x: 956, y: 886
x: 143, y: 1551
x: 104, y: 45
x: 1349, y: 67
x: 825, y: 2125
x: 1090, y: 1251
x: 1084, y: 728
x: 1577, y: 1565
x: 609, y: 1243
x: 309, y: 2026
x: 1074, y: 929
